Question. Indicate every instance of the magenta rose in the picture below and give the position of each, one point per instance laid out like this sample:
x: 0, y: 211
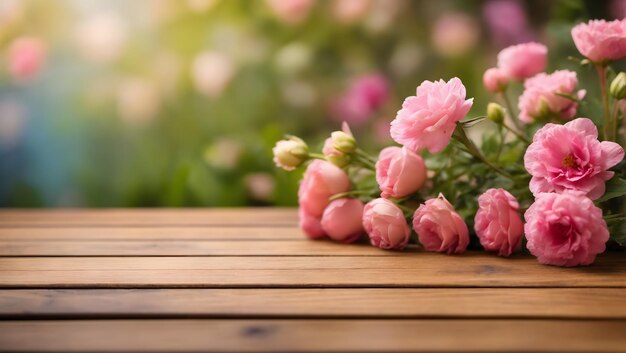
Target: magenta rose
x: 498, y: 224
x: 439, y: 227
x: 310, y: 225
x: 541, y: 99
x: 521, y: 61
x: 570, y: 157
x: 428, y: 119
x: 495, y: 80
x: 26, y: 58
x: 600, y: 41
x: 321, y: 180
x: 565, y: 229
x: 399, y: 172
x: 342, y: 220
x: 385, y: 224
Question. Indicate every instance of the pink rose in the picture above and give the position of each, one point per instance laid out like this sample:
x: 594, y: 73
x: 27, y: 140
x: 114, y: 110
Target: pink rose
x: 342, y: 220
x: 385, y: 224
x: 399, y: 172
x: 27, y: 55
x: 600, y: 41
x: 521, y: 61
x: 497, y: 223
x: 321, y: 180
x: 439, y: 227
x: 365, y: 95
x: 540, y: 99
x: 565, y: 229
x: 570, y: 157
x: 291, y: 12
x: 495, y: 80
x: 428, y: 119
x: 310, y: 225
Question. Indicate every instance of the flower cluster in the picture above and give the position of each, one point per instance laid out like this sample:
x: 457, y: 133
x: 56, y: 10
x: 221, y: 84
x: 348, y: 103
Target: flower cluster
x: 566, y: 181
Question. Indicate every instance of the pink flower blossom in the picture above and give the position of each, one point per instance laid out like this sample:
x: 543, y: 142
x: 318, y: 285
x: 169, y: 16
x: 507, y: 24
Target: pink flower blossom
x: 495, y: 80
x: 455, y: 34
x: 565, y: 229
x: 27, y: 56
x: 570, y: 157
x: 498, y: 224
x: 385, y: 225
x: 439, y: 227
x: 291, y: 12
x: 321, y: 180
x: 507, y: 21
x: 521, y: 61
x: 541, y: 99
x: 428, y: 119
x: 310, y: 225
x: 342, y: 220
x: 365, y: 95
x: 399, y: 172
x: 600, y: 41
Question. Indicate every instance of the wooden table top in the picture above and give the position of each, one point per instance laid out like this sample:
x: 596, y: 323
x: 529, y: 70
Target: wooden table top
x: 248, y: 280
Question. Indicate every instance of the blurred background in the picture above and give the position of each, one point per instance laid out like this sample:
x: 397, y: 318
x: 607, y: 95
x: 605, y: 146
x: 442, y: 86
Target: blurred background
x: 179, y: 102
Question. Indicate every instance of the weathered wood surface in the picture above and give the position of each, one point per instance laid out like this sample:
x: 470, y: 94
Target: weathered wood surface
x: 248, y: 280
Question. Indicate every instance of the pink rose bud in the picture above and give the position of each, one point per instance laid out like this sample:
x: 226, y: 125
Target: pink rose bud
x: 521, y: 61
x: 498, y: 224
x: 565, y: 229
x: 27, y: 56
x: 439, y: 227
x: 385, y: 224
x: 333, y: 155
x: 428, y: 119
x: 321, y: 180
x: 542, y: 98
x: 290, y: 153
x: 601, y: 41
x: 495, y: 80
x: 570, y: 157
x: 310, y: 225
x: 342, y: 220
x: 399, y: 172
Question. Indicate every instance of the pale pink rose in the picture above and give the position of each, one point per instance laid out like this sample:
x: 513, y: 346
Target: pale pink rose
x: 495, y: 80
x: 439, y: 227
x: 428, y: 119
x: 365, y: 95
x: 507, y: 21
x: 570, y: 157
x: 455, y: 34
x: 600, y: 41
x: 521, y: 61
x: 310, y: 225
x: 321, y: 180
x: 498, y: 224
x: 399, y: 172
x: 27, y: 56
x: 385, y: 224
x: 541, y: 101
x: 342, y: 220
x: 291, y: 12
x: 565, y: 229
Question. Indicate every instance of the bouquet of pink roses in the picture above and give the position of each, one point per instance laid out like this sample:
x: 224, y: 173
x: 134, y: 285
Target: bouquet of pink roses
x: 562, y: 172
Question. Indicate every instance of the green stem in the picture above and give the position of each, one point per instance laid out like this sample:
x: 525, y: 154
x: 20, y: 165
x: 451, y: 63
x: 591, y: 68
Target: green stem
x: 459, y: 134
x: 614, y: 119
x: 606, y: 126
x: 317, y: 156
x: 352, y: 193
x: 520, y: 136
x: 502, y: 136
x: 512, y: 112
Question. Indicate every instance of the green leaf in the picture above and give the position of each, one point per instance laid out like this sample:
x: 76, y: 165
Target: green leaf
x: 472, y: 121
x: 615, y: 187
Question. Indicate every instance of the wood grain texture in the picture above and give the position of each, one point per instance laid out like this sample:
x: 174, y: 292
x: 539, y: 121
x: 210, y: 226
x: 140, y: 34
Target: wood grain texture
x: 313, y: 335
x: 473, y: 269
x: 149, y: 217
x: 599, y: 303
x: 292, y: 247
x: 169, y: 233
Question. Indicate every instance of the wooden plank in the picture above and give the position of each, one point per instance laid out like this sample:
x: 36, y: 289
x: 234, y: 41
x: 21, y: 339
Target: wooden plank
x: 192, y: 248
x: 598, y: 303
x: 473, y: 269
x: 152, y: 233
x: 314, y: 335
x: 149, y: 217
